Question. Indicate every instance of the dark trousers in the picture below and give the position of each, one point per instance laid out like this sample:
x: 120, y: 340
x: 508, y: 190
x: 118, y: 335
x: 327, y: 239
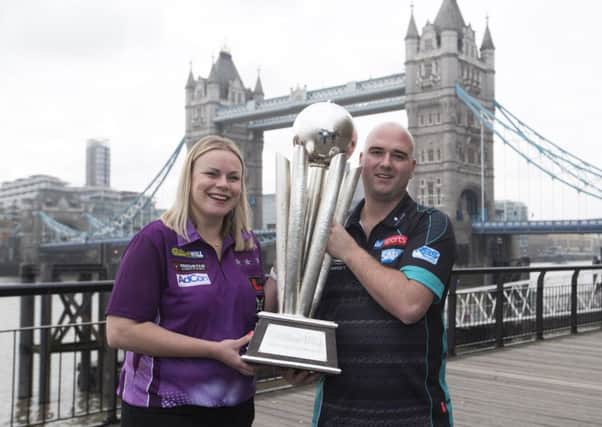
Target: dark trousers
x: 188, y: 416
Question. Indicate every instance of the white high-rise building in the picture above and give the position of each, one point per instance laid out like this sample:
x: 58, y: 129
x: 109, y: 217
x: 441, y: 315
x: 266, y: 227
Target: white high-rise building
x: 98, y: 163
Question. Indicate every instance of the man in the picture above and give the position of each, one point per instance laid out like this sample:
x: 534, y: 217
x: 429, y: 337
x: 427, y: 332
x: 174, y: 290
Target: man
x: 386, y: 290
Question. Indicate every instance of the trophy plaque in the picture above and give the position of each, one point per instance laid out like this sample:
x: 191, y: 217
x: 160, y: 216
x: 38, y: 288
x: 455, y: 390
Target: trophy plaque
x: 311, y: 191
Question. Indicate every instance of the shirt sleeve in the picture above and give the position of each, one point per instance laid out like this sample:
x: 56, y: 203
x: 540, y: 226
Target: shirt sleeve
x: 137, y: 289
x: 430, y: 253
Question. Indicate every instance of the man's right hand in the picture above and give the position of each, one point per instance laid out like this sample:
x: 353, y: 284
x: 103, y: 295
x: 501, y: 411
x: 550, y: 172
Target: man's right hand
x: 299, y: 377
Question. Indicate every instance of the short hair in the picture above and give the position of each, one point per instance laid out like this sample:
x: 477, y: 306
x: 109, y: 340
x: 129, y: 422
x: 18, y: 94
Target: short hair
x: 396, y: 125
x: 236, y: 222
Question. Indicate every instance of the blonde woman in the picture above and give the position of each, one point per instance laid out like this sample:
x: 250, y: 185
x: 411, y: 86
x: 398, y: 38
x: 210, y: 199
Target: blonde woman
x: 185, y: 299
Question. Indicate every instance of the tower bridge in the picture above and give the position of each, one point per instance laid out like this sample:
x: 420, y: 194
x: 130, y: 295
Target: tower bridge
x: 447, y: 91
x: 447, y: 137
x: 364, y: 97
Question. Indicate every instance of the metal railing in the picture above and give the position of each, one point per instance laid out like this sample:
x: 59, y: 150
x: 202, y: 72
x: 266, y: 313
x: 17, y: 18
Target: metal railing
x: 76, y: 374
x: 59, y: 370
x: 513, y: 308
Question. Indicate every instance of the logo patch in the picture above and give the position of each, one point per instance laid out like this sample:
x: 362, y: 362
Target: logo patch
x: 337, y: 265
x: 194, y: 279
x: 388, y: 256
x: 189, y: 268
x: 378, y: 244
x: 186, y: 254
x: 427, y: 254
x: 257, y: 283
x: 247, y: 260
x: 259, y: 303
x: 397, y: 240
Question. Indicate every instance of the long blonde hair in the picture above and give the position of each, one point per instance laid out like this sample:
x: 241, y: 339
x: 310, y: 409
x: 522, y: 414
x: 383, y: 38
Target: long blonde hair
x: 236, y: 222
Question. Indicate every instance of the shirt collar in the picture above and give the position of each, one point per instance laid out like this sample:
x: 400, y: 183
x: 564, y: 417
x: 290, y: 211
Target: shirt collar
x: 193, y: 236
x: 393, y: 219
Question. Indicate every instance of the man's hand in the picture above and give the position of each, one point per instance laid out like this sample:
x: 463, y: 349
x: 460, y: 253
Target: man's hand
x: 299, y: 377
x: 339, y: 242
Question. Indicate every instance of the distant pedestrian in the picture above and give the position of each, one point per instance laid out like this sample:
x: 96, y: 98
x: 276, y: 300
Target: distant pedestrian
x: 185, y: 301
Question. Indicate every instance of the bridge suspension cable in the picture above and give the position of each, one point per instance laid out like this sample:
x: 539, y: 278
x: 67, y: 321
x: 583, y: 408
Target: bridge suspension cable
x: 117, y: 224
x: 551, y: 159
x: 60, y: 229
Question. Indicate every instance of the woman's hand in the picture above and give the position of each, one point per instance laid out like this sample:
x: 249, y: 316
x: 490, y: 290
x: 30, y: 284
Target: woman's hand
x: 228, y: 352
x: 154, y: 340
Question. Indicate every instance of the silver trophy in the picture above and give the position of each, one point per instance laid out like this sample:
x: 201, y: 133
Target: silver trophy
x: 314, y: 190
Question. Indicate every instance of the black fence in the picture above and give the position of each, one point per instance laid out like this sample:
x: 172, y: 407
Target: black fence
x: 58, y: 367
x: 521, y: 304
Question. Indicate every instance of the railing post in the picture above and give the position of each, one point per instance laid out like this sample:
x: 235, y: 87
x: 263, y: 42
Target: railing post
x: 108, y: 356
x: 574, y: 301
x: 539, y: 306
x: 499, y: 311
x: 27, y: 307
x: 451, y: 318
x: 85, y: 366
x: 47, y: 275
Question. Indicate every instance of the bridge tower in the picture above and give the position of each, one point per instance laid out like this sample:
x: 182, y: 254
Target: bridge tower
x: 224, y: 87
x: 447, y: 136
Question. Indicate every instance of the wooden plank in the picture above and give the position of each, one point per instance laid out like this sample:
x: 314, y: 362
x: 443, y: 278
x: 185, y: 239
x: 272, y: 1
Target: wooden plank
x: 556, y: 383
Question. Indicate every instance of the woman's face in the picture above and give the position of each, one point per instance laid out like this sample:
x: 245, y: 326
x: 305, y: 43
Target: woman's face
x: 216, y: 184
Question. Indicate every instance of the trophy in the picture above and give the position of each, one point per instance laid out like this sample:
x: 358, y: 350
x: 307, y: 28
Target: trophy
x: 314, y: 190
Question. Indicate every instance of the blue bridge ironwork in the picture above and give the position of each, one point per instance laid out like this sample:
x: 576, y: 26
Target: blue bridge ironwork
x: 568, y: 226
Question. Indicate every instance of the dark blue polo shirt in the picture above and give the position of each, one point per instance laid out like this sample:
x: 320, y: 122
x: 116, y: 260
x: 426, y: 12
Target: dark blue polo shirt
x: 392, y: 374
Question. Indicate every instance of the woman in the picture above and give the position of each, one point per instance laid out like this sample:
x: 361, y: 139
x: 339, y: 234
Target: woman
x: 185, y: 298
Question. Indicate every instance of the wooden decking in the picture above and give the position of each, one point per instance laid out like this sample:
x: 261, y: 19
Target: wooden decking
x: 556, y: 382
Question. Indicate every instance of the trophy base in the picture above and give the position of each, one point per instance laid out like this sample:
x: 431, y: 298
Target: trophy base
x: 296, y: 342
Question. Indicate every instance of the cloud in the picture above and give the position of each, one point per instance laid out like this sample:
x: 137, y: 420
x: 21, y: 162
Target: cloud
x: 72, y: 29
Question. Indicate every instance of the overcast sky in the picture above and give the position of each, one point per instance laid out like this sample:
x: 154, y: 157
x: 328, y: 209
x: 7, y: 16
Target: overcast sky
x: 71, y: 70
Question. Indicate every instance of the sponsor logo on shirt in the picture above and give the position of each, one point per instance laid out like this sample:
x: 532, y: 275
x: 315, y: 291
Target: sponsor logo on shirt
x: 257, y: 283
x: 427, y: 254
x: 396, y: 240
x: 378, y: 244
x: 186, y: 254
x: 336, y: 265
x: 194, y: 279
x: 259, y: 303
x: 388, y: 256
x: 189, y: 268
x: 247, y: 261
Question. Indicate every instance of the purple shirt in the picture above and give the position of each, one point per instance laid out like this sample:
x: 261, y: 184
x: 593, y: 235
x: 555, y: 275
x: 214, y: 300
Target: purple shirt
x: 182, y: 286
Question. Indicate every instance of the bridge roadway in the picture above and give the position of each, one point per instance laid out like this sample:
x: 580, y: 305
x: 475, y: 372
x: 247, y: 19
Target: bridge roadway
x: 566, y: 226
x: 557, y: 382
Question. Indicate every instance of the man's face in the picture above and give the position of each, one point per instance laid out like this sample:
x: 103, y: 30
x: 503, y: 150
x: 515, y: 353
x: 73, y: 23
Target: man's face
x: 388, y: 164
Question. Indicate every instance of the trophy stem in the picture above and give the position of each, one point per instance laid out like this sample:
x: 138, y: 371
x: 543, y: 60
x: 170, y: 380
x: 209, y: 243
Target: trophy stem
x: 294, y: 245
x: 345, y: 197
x: 321, y: 233
x: 283, y: 186
x: 316, y: 174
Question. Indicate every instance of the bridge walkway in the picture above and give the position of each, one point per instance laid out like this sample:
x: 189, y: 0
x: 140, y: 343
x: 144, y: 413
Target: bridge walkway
x: 557, y: 382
